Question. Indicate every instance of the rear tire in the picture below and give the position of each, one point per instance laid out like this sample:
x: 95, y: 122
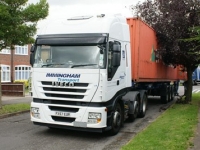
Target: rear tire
x: 172, y: 93
x: 165, y: 99
x: 132, y: 117
x: 144, y: 107
x: 116, y: 119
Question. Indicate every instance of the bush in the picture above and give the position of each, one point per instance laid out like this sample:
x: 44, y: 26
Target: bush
x: 25, y: 82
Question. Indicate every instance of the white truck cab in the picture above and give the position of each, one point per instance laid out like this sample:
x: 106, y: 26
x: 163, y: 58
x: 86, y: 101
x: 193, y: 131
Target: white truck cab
x: 81, y: 75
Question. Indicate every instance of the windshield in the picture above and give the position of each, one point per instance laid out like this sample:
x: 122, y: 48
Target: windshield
x: 70, y: 57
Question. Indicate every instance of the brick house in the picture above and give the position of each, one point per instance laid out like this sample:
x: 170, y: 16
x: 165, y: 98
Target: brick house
x: 15, y: 65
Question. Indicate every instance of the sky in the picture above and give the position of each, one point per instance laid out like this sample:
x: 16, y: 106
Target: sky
x: 61, y: 9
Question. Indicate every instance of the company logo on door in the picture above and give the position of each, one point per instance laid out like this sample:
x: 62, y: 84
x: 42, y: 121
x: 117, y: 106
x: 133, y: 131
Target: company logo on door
x: 64, y: 77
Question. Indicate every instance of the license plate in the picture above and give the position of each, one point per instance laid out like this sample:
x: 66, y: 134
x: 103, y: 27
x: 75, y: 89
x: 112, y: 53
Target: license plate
x: 62, y: 114
x: 80, y: 124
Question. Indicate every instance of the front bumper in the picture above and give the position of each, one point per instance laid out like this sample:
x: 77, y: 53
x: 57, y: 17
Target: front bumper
x: 76, y: 119
x: 99, y: 130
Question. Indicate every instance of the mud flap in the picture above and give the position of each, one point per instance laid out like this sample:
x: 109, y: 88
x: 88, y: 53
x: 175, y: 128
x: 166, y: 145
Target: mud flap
x: 129, y: 99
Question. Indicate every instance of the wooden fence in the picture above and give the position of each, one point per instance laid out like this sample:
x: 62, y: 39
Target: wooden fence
x: 13, y: 89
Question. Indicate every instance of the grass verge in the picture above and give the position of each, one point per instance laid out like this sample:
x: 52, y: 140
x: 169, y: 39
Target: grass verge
x: 173, y: 130
x: 14, y: 108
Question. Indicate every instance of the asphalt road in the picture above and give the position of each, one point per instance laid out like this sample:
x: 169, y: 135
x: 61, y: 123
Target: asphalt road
x: 18, y: 133
x: 196, y: 89
x: 14, y: 100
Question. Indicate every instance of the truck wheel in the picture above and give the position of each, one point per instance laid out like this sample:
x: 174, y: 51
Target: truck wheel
x: 194, y: 82
x: 172, y: 93
x: 165, y: 99
x: 144, y: 106
x: 169, y: 94
x: 132, y: 117
x: 116, y: 120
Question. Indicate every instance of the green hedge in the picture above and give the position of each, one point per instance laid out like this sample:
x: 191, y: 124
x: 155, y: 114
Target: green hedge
x: 25, y: 82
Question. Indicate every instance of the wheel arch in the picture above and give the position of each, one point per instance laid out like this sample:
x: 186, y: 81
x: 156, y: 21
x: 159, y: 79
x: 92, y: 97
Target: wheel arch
x: 130, y: 98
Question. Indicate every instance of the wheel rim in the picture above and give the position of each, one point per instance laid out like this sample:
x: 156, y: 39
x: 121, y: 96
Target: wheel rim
x: 136, y: 110
x: 117, y: 117
x: 144, y: 104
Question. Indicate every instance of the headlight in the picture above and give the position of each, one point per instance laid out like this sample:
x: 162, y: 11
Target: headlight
x: 94, y: 117
x: 35, y: 112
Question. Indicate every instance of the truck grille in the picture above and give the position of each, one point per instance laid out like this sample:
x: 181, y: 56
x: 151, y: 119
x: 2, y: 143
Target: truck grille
x: 75, y: 84
x: 65, y: 96
x: 59, y: 102
x: 63, y: 109
x: 63, y: 119
x: 78, y: 91
x: 64, y: 90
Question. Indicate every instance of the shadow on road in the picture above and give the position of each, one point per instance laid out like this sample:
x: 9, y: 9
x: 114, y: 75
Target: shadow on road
x: 154, y: 100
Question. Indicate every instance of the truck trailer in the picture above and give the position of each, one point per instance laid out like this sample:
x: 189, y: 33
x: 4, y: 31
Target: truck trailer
x: 92, y: 73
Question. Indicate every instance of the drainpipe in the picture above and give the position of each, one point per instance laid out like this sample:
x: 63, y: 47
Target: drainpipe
x: 11, y: 74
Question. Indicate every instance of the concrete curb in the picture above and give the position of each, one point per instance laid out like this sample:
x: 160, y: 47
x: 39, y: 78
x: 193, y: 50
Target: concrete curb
x: 13, y: 114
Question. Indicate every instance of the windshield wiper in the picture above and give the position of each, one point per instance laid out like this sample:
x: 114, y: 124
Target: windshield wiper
x: 47, y: 65
x: 82, y: 65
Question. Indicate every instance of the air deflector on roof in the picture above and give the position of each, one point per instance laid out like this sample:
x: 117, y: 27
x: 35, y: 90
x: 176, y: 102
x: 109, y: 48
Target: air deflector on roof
x: 80, y: 18
x: 72, y: 39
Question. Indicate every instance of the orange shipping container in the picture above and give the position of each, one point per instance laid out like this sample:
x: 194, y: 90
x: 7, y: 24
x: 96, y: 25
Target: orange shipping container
x: 145, y: 66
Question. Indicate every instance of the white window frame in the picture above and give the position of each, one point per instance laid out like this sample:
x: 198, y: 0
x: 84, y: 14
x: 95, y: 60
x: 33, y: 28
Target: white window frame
x: 5, y: 51
x: 5, y: 73
x: 21, y: 50
x: 22, y: 72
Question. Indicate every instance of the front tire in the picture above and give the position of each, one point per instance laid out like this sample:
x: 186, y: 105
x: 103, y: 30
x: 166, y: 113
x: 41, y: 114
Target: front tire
x: 116, y: 119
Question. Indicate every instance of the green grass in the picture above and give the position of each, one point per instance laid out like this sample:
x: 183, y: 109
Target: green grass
x: 14, y: 108
x: 173, y: 130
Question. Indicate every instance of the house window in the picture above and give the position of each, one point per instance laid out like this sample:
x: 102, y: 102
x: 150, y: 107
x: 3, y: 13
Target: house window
x: 5, y: 51
x: 22, y: 72
x: 21, y: 50
x: 5, y: 73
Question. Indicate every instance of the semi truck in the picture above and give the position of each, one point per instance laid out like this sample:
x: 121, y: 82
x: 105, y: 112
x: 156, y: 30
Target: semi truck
x: 92, y: 73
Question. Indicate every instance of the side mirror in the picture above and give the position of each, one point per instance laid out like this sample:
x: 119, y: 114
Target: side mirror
x: 32, y: 49
x: 32, y: 55
x: 116, y: 47
x: 32, y: 59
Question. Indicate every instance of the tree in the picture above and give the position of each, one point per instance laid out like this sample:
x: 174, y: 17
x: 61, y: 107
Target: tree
x: 195, y: 37
x: 172, y: 21
x: 18, y: 21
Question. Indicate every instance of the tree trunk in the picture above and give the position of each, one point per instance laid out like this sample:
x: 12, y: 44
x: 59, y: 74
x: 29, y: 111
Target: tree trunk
x: 189, y: 84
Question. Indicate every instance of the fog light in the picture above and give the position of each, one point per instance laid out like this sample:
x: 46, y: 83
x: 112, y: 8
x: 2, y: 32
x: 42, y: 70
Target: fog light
x: 35, y: 112
x: 94, y: 117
